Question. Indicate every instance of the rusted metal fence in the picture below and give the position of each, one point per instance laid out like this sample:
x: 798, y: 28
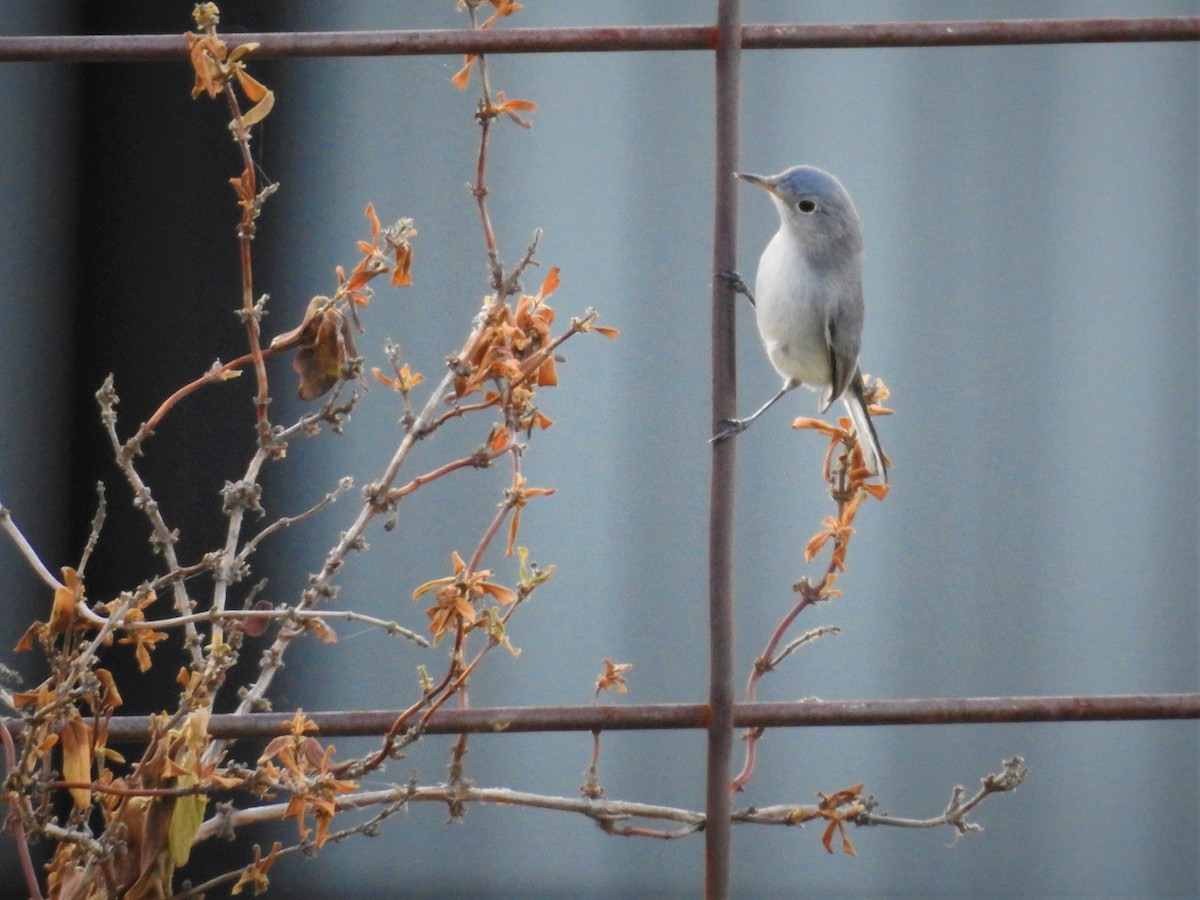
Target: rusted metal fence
x: 725, y: 39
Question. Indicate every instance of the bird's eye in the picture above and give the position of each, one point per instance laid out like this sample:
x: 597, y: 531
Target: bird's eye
x: 806, y: 206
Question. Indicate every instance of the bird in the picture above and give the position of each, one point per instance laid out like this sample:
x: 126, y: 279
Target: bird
x: 808, y: 299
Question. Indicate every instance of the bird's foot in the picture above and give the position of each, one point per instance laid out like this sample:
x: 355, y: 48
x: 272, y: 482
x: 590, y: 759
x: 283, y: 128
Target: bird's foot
x: 732, y: 427
x: 736, y: 283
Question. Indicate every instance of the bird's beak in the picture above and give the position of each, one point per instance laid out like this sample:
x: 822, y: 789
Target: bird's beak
x: 758, y: 181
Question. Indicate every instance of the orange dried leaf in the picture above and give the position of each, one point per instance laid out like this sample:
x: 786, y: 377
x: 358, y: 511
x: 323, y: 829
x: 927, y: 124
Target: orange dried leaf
x: 255, y: 874
x: 76, y: 738
x: 523, y: 105
x: 204, y: 52
x: 259, y: 110
x: 429, y: 586
x: 611, y: 333
x: 613, y: 677
x: 22, y: 699
x: 504, y: 596
x: 547, y: 374
x: 63, y: 610
x: 827, y: 837
x: 322, y: 631
x: 847, y: 847
x: 850, y: 510
x: 244, y: 185
x: 510, y: 108
x: 500, y: 438
x: 815, y: 543
x: 463, y: 76
x: 549, y: 285
x: 243, y: 50
x: 253, y: 89
x: 819, y: 425
x: 503, y: 8
x: 26, y: 641
x: 369, y: 212
x: 319, y: 363
x: 402, y: 273
x: 878, y: 491
x: 110, y: 697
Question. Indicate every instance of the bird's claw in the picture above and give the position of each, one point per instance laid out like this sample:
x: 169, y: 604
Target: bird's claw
x: 734, y: 280
x: 736, y: 284
x: 733, y: 427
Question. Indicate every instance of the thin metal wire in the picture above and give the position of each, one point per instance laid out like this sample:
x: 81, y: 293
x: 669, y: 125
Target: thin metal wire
x: 166, y: 47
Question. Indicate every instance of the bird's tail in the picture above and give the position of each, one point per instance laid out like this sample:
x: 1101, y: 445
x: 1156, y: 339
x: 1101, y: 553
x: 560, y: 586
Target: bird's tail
x: 868, y: 440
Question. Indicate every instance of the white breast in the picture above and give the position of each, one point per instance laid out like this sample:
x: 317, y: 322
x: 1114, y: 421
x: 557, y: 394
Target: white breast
x: 791, y: 315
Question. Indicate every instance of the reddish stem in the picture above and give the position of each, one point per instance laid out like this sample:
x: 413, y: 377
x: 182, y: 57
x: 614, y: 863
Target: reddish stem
x: 808, y: 596
x: 14, y: 822
x: 245, y: 232
x: 210, y: 376
x: 475, y: 460
x: 131, y: 792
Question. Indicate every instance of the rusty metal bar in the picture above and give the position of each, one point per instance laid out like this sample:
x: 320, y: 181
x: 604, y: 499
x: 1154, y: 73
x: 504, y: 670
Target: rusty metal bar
x: 675, y: 716
x: 722, y: 472
x: 165, y: 47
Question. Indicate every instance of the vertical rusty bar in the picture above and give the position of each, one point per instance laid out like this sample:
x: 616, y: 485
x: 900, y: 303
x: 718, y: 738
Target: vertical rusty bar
x: 721, y: 488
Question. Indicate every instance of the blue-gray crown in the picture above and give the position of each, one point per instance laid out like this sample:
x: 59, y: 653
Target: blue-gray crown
x: 810, y: 180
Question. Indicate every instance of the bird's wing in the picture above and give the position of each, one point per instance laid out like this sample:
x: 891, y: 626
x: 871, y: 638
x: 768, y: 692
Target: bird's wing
x: 843, y: 370
x: 843, y: 335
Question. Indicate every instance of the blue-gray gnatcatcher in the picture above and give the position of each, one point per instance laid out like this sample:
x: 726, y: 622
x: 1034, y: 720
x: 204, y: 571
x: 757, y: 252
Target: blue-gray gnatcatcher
x: 808, y: 298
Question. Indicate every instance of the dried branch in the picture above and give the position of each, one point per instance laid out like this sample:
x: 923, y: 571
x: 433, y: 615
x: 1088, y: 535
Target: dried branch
x: 616, y: 816
x: 162, y: 538
x: 97, y: 525
x: 35, y: 562
x: 217, y: 372
x: 1009, y: 778
x: 287, y: 521
x: 286, y: 614
x: 13, y: 823
x: 479, y: 188
x: 848, y: 487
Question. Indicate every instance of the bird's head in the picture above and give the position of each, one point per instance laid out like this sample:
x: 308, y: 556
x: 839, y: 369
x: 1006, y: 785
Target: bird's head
x: 813, y: 204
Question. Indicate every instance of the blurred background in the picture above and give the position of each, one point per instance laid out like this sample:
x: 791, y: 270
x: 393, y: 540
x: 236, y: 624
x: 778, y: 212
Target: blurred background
x: 1030, y: 215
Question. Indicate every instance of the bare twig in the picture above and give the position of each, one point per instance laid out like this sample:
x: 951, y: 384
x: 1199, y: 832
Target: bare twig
x: 285, y: 613
x: 218, y: 372
x: 614, y: 816
x: 35, y: 562
x: 320, y: 584
x: 1009, y: 778
x: 370, y: 828
x: 479, y: 188
x: 847, y: 494
x: 162, y: 537
x: 97, y: 525
x: 811, y: 635
x: 287, y: 521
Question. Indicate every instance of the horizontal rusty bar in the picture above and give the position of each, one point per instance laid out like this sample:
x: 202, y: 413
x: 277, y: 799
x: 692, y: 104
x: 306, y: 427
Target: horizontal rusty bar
x: 971, y: 34
x: 164, y: 47
x: 809, y: 713
x: 971, y: 710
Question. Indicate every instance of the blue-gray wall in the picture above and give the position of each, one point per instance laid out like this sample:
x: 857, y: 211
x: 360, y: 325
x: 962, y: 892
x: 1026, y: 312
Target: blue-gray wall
x: 1031, y: 225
